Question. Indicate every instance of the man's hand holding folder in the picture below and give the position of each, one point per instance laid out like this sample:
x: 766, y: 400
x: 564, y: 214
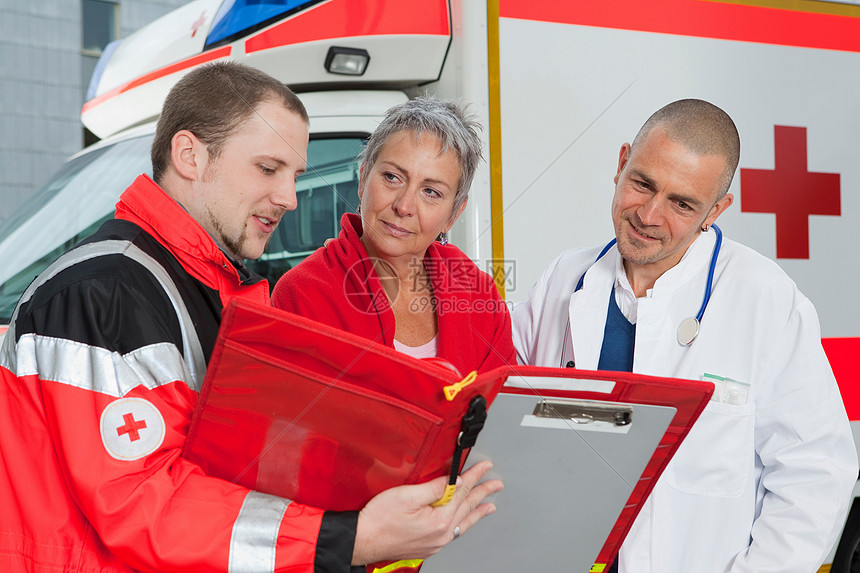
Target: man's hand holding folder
x: 400, y: 523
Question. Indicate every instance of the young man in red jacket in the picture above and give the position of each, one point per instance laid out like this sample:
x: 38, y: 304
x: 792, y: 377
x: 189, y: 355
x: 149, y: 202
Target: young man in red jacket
x: 105, y: 354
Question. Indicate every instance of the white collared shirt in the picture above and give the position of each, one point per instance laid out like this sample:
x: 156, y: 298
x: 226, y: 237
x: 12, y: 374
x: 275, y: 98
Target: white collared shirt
x: 625, y: 298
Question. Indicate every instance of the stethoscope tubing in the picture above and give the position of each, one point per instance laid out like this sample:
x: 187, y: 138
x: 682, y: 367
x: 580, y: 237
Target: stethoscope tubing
x: 709, y: 284
x: 605, y: 250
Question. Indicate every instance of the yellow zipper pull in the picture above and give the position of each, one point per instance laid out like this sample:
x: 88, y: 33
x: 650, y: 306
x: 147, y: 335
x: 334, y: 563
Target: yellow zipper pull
x: 450, y: 490
x: 454, y: 389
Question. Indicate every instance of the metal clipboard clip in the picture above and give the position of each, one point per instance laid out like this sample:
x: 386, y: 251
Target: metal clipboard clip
x: 585, y: 412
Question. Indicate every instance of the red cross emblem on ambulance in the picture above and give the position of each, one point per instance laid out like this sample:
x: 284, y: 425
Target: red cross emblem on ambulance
x: 790, y: 192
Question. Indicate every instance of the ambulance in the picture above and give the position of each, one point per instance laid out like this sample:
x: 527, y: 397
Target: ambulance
x: 558, y: 85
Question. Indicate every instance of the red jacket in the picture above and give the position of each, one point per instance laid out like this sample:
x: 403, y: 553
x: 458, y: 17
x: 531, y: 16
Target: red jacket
x: 99, y: 374
x: 338, y: 286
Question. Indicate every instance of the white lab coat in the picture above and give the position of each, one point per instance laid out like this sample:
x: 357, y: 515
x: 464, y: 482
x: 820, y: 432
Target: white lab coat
x: 760, y: 487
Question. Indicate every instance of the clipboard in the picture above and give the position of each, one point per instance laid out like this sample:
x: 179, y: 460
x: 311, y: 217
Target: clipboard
x: 579, y: 452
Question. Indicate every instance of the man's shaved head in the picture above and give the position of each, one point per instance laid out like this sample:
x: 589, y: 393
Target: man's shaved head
x: 701, y: 127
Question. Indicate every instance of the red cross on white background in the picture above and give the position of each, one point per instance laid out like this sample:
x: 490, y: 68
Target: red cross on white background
x: 790, y: 192
x: 122, y: 426
x: 131, y: 427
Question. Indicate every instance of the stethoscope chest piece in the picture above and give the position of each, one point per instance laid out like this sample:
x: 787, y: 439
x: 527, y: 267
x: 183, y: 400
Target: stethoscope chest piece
x: 688, y: 330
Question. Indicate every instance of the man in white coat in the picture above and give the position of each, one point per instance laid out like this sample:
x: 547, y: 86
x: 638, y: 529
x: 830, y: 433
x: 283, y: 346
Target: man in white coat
x: 763, y: 481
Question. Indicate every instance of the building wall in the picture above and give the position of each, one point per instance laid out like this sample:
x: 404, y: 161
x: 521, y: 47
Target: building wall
x: 42, y: 86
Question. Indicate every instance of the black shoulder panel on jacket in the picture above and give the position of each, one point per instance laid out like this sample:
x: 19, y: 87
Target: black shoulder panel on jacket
x: 115, y: 302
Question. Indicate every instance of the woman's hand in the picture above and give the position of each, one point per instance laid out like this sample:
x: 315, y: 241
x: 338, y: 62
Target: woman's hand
x: 400, y: 523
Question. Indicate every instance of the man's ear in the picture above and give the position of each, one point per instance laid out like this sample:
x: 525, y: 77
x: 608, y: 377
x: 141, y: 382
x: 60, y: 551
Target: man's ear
x: 719, y: 207
x: 188, y: 155
x: 623, y: 157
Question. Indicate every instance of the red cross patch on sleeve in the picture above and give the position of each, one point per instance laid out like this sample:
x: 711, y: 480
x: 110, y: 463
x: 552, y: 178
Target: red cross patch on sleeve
x: 131, y: 428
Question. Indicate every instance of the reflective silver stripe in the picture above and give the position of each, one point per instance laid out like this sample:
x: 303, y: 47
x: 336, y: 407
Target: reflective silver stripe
x: 7, y: 351
x: 97, y: 369
x: 254, y: 542
x: 194, y: 359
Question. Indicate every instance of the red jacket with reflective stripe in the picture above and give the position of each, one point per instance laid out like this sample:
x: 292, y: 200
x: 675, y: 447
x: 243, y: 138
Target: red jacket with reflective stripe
x: 99, y: 375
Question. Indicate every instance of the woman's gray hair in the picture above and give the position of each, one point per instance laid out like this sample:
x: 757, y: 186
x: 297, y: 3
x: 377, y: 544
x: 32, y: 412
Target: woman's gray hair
x: 455, y: 126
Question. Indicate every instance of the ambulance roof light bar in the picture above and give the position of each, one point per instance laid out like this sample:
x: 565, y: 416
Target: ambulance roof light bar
x: 346, y: 61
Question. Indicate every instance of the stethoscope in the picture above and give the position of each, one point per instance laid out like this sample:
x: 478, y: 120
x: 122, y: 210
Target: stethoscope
x: 688, y: 330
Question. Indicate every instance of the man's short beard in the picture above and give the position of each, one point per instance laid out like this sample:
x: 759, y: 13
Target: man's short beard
x: 627, y: 249
x: 233, y: 247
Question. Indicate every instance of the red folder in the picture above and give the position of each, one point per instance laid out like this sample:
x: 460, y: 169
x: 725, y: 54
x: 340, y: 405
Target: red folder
x: 308, y: 412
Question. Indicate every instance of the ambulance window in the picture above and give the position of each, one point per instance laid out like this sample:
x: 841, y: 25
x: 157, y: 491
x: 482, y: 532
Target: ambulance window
x: 67, y: 209
x: 328, y: 190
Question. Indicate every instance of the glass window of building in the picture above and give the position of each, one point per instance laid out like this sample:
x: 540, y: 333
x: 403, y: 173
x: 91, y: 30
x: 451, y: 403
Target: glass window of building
x: 100, y: 25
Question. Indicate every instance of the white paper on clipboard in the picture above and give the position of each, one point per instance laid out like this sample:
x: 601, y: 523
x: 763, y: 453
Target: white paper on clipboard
x: 565, y: 487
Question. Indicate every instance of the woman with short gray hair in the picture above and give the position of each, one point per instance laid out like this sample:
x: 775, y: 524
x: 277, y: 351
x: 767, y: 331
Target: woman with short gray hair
x: 391, y: 275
